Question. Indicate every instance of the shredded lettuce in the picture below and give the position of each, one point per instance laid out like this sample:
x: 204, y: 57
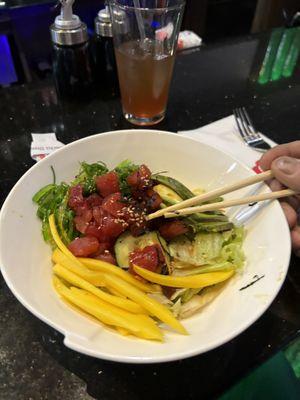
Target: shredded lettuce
x: 198, y: 301
x: 184, y: 295
x: 176, y: 308
x: 230, y: 256
x: 204, y: 248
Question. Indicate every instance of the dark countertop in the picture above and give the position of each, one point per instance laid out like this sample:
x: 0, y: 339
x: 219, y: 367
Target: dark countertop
x: 208, y: 83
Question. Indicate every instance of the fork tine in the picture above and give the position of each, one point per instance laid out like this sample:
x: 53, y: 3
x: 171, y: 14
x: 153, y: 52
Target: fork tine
x: 247, y: 130
x: 250, y: 122
x: 245, y: 124
x: 240, y: 127
x: 247, y: 133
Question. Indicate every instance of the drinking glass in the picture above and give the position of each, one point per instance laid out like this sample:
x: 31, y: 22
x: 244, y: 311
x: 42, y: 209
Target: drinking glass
x: 145, y: 39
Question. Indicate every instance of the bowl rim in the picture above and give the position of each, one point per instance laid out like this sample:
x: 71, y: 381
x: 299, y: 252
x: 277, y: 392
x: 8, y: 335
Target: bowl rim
x: 72, y: 344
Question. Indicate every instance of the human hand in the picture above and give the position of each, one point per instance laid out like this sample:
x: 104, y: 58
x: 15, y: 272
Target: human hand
x: 284, y: 161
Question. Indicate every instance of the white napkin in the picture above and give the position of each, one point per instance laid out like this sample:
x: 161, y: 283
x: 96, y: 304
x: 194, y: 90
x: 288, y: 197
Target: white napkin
x: 43, y: 144
x: 223, y: 134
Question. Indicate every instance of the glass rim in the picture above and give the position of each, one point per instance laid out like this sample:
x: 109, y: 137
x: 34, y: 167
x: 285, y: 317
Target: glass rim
x: 125, y: 7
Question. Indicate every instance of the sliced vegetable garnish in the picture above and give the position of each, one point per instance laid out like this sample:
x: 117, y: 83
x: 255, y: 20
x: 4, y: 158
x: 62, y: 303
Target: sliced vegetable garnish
x: 194, y: 281
x: 107, y: 313
x: 116, y: 293
x: 58, y: 257
x: 151, y: 305
x: 146, y: 327
x: 102, y: 313
x: 102, y: 266
x: 68, y: 276
x: 122, y: 331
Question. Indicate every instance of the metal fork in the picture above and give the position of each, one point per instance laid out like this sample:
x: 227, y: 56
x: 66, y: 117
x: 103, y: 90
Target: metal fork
x: 249, y: 134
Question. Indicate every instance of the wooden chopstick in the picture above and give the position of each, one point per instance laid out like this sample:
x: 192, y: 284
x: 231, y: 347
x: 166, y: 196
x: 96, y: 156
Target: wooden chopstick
x: 230, y: 203
x: 213, y: 194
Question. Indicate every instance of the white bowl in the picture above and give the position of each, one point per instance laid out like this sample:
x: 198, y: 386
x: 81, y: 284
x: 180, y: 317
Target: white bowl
x: 25, y: 258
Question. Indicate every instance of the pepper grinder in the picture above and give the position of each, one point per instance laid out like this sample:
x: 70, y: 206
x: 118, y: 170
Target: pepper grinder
x: 104, y: 55
x: 72, y: 64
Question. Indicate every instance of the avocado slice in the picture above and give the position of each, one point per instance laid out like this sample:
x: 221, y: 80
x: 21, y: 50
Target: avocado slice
x: 168, y: 195
x: 175, y: 185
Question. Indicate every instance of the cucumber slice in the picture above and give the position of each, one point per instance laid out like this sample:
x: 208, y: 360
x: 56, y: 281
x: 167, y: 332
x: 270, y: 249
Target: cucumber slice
x: 154, y: 238
x: 148, y: 239
x: 126, y: 244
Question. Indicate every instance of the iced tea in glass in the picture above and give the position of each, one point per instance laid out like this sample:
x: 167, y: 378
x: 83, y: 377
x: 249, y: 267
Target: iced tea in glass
x: 145, y: 38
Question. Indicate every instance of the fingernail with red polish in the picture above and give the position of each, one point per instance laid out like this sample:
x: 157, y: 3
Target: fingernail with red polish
x: 257, y: 168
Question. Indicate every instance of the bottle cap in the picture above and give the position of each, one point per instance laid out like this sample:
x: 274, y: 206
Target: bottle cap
x: 67, y: 28
x: 120, y: 21
x: 103, y: 26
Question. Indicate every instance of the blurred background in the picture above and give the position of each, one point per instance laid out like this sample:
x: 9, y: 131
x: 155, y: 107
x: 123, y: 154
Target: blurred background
x: 25, y: 47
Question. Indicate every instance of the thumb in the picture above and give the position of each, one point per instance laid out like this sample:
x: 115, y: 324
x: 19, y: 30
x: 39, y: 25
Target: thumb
x: 287, y: 171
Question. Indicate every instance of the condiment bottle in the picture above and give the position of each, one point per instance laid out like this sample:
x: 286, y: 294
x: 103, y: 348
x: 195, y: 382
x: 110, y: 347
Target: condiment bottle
x: 72, y: 63
x: 104, y: 55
